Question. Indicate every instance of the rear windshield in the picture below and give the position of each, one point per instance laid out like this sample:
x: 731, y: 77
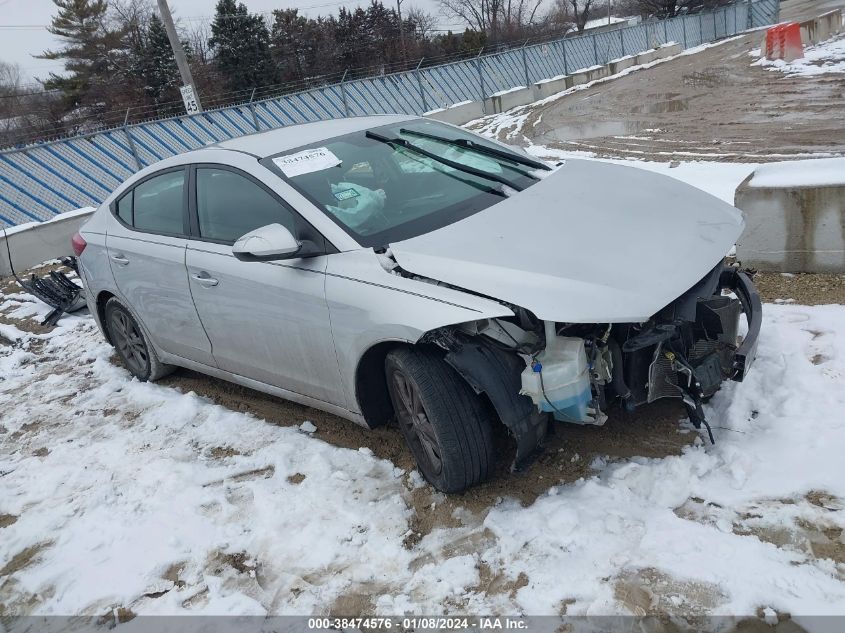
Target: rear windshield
x: 380, y: 192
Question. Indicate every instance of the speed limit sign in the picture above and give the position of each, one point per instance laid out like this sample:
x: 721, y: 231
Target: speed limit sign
x: 191, y: 106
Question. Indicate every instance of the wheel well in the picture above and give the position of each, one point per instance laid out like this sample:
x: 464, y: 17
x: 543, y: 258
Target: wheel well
x: 102, y: 299
x: 371, y: 385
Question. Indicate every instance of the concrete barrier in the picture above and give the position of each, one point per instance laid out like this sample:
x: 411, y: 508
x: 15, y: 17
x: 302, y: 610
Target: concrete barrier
x: 547, y: 87
x: 646, y: 57
x: 669, y: 49
x: 589, y: 74
x: 31, y: 244
x: 821, y: 28
x: 618, y: 65
x: 504, y: 100
x: 795, y: 217
x: 457, y: 114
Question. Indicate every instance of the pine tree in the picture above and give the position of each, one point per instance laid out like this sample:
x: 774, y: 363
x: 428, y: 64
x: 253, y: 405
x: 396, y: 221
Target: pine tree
x: 157, y: 65
x: 241, y: 45
x: 91, y: 53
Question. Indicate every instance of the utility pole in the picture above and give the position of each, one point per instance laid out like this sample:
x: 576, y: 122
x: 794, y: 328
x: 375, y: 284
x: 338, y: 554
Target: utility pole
x: 189, y: 93
x: 401, y: 28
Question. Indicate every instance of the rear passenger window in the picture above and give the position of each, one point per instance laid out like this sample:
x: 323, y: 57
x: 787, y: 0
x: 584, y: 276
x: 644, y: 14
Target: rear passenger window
x: 158, y: 204
x: 230, y: 205
x: 124, y: 208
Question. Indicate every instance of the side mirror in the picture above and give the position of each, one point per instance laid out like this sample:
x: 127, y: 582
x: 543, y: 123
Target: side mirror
x: 267, y: 243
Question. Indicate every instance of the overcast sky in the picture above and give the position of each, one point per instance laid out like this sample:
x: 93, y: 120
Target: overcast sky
x: 30, y: 17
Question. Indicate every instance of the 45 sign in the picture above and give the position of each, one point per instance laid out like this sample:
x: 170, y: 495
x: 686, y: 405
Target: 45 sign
x: 189, y: 99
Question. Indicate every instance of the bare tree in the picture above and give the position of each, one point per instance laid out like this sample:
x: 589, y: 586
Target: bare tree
x: 581, y: 12
x: 494, y: 18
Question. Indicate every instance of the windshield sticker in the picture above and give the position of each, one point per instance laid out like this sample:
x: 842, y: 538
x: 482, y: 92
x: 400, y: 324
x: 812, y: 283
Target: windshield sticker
x: 306, y: 161
x: 346, y: 194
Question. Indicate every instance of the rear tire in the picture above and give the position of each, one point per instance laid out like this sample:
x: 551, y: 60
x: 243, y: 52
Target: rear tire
x: 442, y: 419
x: 131, y: 343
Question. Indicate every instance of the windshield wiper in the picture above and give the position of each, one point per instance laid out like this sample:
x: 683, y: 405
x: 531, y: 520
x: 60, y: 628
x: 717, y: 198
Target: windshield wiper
x: 403, y: 143
x: 465, y: 143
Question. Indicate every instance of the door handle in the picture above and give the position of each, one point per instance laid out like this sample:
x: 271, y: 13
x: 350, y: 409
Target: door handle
x: 204, y: 279
x: 120, y: 258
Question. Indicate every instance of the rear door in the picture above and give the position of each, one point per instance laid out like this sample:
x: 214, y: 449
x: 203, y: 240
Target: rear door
x: 268, y: 321
x: 146, y: 250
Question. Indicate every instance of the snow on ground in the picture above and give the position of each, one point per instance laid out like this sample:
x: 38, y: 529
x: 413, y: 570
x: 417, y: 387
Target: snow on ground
x: 138, y: 496
x: 822, y: 59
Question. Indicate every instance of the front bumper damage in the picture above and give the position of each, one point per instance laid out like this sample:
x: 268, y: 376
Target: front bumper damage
x: 685, y: 351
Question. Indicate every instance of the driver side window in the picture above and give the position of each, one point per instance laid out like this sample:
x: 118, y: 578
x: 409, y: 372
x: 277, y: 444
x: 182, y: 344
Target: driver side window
x: 230, y: 205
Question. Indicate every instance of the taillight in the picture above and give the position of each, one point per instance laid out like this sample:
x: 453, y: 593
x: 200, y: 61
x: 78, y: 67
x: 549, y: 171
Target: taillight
x: 78, y: 243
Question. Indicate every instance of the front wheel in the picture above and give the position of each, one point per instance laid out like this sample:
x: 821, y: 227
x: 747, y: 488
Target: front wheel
x: 442, y: 419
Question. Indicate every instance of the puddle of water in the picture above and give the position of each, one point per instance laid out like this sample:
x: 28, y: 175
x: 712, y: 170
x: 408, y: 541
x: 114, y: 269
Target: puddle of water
x: 593, y: 129
x: 662, y: 105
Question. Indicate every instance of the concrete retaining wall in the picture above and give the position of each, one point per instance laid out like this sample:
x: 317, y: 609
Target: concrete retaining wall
x: 458, y: 114
x: 821, y: 28
x: 794, y: 224
x: 507, y: 99
x: 32, y: 244
x: 548, y: 87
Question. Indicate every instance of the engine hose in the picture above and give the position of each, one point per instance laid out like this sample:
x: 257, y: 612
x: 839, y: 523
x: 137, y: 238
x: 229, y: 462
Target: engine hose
x: 617, y: 379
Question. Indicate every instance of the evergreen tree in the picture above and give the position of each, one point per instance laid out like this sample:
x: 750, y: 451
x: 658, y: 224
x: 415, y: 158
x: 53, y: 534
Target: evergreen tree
x: 91, y: 53
x: 241, y: 45
x: 157, y: 65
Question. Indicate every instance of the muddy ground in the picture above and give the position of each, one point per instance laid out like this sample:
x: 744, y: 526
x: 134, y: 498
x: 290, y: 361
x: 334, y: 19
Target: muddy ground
x: 709, y: 106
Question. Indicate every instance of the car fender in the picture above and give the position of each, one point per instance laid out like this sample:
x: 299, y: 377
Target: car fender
x: 371, y: 306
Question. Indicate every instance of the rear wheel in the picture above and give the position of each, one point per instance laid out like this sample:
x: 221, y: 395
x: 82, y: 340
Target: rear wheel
x: 131, y: 343
x: 442, y: 419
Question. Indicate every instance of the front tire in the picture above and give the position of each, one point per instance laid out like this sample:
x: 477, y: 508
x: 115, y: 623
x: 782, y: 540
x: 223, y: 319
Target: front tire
x: 131, y: 343
x: 442, y: 419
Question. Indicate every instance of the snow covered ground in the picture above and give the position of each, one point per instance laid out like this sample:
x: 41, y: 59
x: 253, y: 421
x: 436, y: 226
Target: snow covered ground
x: 115, y: 493
x: 824, y: 58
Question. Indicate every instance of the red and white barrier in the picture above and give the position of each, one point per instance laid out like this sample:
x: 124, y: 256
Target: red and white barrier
x: 784, y: 42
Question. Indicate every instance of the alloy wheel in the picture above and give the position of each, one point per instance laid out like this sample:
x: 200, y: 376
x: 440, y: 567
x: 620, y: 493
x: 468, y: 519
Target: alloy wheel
x: 414, y: 420
x: 129, y: 341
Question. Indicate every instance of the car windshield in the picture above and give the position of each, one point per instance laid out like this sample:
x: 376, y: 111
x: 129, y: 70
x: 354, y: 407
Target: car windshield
x: 397, y: 181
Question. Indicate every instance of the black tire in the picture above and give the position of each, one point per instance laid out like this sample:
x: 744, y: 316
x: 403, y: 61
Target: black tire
x: 451, y: 436
x: 131, y: 343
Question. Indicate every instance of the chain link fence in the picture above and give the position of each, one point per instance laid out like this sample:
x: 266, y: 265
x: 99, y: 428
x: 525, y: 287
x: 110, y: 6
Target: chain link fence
x: 44, y: 179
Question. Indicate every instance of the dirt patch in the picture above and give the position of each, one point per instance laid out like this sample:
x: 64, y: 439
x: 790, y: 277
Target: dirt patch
x: 296, y: 479
x: 7, y: 519
x: 495, y: 582
x: 266, y: 473
x: 801, y: 288
x: 355, y: 604
x: 222, y: 452
x: 41, y: 452
x: 649, y: 592
x: 704, y: 106
x: 23, y: 559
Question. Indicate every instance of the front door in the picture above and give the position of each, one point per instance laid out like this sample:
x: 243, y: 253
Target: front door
x: 268, y: 321
x: 146, y: 249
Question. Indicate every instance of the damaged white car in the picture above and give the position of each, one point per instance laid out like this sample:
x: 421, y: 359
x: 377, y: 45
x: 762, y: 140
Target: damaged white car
x: 387, y: 268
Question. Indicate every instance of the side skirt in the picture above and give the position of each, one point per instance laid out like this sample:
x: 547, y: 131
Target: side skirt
x: 263, y: 387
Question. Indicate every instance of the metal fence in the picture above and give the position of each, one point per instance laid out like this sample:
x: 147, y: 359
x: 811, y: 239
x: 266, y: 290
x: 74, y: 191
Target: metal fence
x: 42, y: 180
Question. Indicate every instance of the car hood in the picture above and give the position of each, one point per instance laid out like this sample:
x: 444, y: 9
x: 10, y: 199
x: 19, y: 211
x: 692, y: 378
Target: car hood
x: 592, y: 242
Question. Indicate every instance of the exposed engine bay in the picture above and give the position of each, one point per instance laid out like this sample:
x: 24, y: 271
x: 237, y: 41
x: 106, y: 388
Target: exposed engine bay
x: 534, y: 370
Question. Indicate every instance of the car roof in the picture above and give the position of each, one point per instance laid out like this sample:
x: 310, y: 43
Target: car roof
x: 263, y: 144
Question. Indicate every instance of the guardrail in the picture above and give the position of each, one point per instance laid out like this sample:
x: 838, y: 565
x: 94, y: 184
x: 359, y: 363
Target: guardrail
x: 44, y: 179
